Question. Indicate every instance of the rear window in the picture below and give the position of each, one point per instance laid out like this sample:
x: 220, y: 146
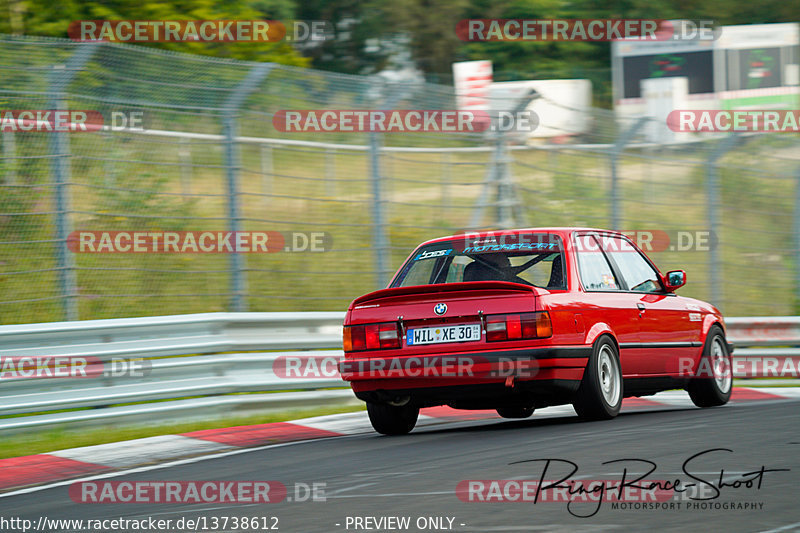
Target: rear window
x: 530, y: 259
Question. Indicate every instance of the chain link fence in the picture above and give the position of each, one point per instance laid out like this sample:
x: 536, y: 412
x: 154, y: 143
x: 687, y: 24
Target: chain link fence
x: 209, y: 159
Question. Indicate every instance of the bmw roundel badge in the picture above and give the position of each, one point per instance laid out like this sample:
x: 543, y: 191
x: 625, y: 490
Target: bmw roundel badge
x: 440, y: 308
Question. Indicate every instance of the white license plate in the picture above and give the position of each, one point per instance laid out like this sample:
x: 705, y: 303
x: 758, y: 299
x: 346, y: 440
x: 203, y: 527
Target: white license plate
x: 442, y: 334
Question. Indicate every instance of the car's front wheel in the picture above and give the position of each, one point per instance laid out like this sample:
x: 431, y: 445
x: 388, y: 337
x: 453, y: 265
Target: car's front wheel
x: 599, y: 395
x: 392, y: 419
x: 714, y: 383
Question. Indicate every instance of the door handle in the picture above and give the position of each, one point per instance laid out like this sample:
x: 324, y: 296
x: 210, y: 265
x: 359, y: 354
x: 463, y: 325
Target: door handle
x: 640, y: 306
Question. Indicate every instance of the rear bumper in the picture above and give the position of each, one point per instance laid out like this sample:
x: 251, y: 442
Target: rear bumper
x: 539, y: 393
x: 506, y: 368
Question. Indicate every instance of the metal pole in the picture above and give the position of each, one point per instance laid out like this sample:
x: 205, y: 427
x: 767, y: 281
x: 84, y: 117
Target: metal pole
x: 505, y: 198
x: 712, y: 207
x: 615, y: 204
x: 488, y: 183
x: 10, y: 155
x: 379, y: 239
x: 446, y: 162
x: 60, y: 77
x: 796, y: 224
x: 232, y: 167
x: 238, y: 282
x: 378, y: 221
x: 185, y: 157
x: 330, y: 172
x: 266, y: 173
x: 499, y: 175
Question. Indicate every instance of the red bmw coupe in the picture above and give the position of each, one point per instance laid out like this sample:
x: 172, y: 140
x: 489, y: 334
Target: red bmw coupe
x: 519, y: 319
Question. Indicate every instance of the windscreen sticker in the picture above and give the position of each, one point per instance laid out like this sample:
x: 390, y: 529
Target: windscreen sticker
x: 536, y: 246
x: 608, y: 281
x: 432, y: 254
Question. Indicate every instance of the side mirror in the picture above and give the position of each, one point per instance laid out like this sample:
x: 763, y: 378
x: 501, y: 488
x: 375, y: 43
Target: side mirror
x: 675, y: 279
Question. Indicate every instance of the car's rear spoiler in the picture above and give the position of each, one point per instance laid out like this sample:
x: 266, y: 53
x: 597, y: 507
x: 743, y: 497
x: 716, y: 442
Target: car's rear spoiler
x: 447, y: 287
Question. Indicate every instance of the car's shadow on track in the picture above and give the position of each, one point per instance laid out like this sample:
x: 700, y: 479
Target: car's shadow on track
x: 499, y: 424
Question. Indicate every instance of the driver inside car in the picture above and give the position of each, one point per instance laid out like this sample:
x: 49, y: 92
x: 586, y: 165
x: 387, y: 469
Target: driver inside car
x: 488, y: 267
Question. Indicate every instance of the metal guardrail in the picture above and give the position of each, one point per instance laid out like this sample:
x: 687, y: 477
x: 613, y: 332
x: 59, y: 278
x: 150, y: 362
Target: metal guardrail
x: 187, y: 361
x: 175, y: 335
x: 763, y: 333
x: 199, y: 365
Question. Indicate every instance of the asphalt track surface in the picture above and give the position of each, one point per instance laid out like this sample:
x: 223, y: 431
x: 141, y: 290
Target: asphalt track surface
x: 416, y: 475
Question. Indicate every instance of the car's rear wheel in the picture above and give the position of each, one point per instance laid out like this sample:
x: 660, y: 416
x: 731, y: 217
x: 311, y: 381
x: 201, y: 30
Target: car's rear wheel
x: 599, y: 395
x: 515, y: 412
x: 392, y: 419
x: 714, y: 385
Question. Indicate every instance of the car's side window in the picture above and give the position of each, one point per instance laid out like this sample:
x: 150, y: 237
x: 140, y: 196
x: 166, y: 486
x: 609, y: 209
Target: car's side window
x: 596, y: 274
x: 637, y: 273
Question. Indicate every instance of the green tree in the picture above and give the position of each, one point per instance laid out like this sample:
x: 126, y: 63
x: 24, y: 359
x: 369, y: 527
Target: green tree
x: 44, y: 17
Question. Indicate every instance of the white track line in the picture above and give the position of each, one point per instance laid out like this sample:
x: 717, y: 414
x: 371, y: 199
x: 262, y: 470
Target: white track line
x: 341, y: 421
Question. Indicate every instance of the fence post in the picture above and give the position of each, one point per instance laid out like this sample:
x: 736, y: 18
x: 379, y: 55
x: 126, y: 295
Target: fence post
x: 232, y: 167
x: 796, y: 224
x: 10, y: 158
x: 498, y: 176
x: 267, y: 170
x: 504, y: 210
x: 712, y: 207
x: 379, y: 239
x: 391, y: 93
x: 185, y: 158
x: 330, y: 172
x: 508, y: 207
x: 60, y: 77
x: 445, y: 178
x: 615, y: 206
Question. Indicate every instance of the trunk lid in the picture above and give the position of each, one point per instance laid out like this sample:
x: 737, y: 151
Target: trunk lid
x: 465, y: 303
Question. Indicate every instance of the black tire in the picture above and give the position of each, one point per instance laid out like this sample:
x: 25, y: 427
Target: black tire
x: 600, y: 393
x: 515, y: 412
x: 715, y: 384
x: 391, y: 419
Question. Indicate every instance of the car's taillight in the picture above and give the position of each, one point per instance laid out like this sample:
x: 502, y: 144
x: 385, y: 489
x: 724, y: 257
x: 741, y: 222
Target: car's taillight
x: 347, y: 339
x: 518, y: 326
x: 388, y: 335
x: 496, y: 328
x: 371, y: 337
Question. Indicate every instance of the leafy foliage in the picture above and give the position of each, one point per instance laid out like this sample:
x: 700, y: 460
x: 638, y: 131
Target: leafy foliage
x: 43, y: 17
x: 368, y: 33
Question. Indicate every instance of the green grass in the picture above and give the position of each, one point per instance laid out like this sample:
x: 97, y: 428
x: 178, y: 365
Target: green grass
x: 60, y: 439
x: 661, y: 190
